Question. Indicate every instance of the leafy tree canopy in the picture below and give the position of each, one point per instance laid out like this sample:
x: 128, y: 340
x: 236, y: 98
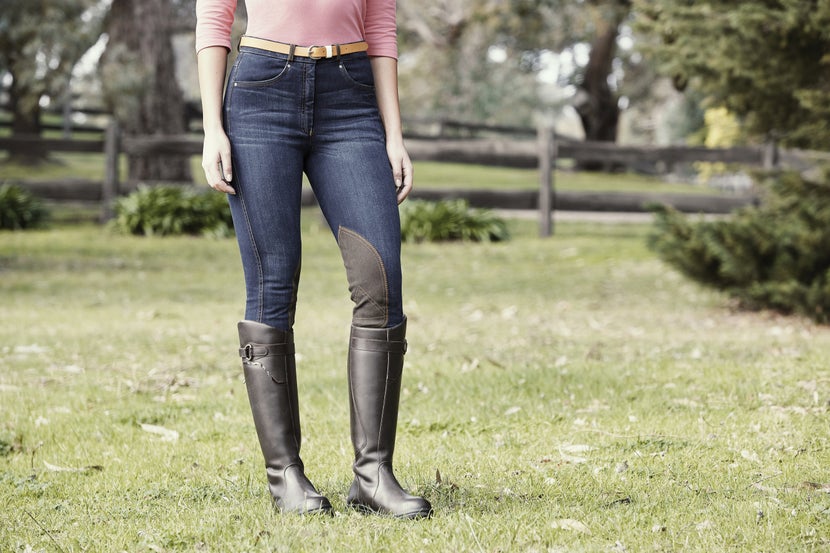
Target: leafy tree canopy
x: 40, y: 41
x: 766, y: 61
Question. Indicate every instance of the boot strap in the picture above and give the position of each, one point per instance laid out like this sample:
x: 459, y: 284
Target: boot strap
x: 252, y: 351
x: 367, y: 344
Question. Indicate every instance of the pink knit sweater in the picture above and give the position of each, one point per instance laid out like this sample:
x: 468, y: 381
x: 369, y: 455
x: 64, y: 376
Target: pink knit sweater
x: 303, y: 22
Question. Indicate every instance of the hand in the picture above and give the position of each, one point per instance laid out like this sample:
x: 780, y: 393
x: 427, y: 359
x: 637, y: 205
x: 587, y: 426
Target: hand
x: 216, y: 161
x: 401, y: 168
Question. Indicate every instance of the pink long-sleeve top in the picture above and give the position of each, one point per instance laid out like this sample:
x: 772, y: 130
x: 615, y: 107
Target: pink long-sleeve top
x: 303, y: 22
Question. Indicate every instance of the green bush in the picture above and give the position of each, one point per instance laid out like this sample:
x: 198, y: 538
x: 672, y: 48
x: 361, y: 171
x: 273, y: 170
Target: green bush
x: 19, y: 209
x: 772, y: 256
x: 449, y: 220
x: 168, y: 210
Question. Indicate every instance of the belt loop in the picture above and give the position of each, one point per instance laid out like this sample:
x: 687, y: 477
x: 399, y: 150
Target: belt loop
x: 291, y: 53
x: 338, y: 53
x: 239, y: 43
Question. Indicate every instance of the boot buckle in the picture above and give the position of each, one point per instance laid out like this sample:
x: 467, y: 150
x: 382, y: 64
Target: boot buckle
x: 247, y: 353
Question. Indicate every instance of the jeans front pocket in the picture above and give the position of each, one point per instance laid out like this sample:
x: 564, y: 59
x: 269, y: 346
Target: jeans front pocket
x: 357, y: 70
x: 254, y: 70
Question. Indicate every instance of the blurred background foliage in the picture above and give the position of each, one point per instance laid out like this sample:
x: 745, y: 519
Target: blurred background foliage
x: 636, y: 72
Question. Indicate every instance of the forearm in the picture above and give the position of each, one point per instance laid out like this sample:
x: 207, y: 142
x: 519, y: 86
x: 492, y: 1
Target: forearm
x: 212, y: 63
x: 385, y: 71
x: 216, y: 152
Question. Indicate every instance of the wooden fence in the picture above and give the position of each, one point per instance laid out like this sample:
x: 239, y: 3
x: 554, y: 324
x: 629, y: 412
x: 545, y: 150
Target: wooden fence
x: 542, y: 154
x: 546, y: 150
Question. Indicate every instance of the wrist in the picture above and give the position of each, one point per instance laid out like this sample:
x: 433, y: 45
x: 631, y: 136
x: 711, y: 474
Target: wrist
x: 213, y: 126
x: 394, y: 136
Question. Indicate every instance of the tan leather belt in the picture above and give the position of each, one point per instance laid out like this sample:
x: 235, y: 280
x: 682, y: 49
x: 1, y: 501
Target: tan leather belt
x: 313, y: 52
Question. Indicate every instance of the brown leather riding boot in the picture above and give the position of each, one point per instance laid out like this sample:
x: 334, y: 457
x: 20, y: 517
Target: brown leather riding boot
x: 271, y: 380
x: 375, y: 367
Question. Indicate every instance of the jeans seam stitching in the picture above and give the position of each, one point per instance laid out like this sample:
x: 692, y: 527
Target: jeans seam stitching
x: 260, y: 275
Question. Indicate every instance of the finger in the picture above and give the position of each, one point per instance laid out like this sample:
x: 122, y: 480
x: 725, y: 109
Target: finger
x: 211, y: 173
x: 398, y: 174
x: 403, y: 192
x: 226, y: 172
x: 225, y: 165
x: 216, y: 179
x: 406, y: 185
x: 225, y: 187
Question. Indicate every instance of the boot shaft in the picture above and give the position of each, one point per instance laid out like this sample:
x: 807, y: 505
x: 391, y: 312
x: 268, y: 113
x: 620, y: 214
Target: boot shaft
x: 375, y: 367
x: 271, y: 382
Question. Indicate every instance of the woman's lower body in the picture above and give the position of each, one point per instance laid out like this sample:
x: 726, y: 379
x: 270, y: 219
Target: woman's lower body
x: 285, y: 117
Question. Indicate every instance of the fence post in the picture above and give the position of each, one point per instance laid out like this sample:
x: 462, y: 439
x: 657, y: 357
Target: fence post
x: 66, y: 112
x: 547, y: 165
x: 770, y: 154
x: 109, y: 189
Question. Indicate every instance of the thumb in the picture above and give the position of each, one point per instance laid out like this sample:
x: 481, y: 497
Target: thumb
x: 225, y: 161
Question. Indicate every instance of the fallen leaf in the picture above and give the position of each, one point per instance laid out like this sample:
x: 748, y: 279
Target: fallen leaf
x: 816, y: 486
x: 570, y: 524
x: 576, y: 448
x: 32, y: 348
x: 750, y: 456
x: 573, y: 459
x: 509, y: 312
x: 705, y: 525
x: 763, y: 488
x: 56, y: 468
x: 166, y: 434
x: 686, y: 402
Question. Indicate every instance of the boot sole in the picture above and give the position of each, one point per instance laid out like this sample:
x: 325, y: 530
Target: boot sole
x: 413, y: 515
x: 325, y: 511
x: 324, y: 508
x: 311, y: 512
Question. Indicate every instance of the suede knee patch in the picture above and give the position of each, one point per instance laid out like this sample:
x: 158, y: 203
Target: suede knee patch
x: 367, y: 279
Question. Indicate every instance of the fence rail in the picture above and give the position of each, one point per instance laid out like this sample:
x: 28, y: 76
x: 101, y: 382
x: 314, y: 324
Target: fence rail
x: 37, y: 143
x: 542, y: 154
x: 524, y: 153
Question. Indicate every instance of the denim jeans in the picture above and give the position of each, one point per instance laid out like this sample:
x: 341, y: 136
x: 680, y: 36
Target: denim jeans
x: 288, y: 116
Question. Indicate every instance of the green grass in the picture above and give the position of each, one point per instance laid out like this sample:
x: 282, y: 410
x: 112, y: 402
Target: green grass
x: 573, y: 393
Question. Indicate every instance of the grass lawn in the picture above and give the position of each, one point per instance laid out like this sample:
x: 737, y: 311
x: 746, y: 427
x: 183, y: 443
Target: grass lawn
x: 567, y: 394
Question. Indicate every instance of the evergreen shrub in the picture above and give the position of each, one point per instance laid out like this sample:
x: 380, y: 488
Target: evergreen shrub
x: 170, y: 210
x: 775, y: 255
x: 19, y: 209
x: 449, y: 220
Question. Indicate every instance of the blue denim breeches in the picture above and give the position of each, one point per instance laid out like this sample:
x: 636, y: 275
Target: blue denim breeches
x: 318, y: 117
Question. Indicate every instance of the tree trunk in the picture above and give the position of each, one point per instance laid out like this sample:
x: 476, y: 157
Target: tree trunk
x: 139, y: 76
x: 25, y: 122
x: 596, y: 103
